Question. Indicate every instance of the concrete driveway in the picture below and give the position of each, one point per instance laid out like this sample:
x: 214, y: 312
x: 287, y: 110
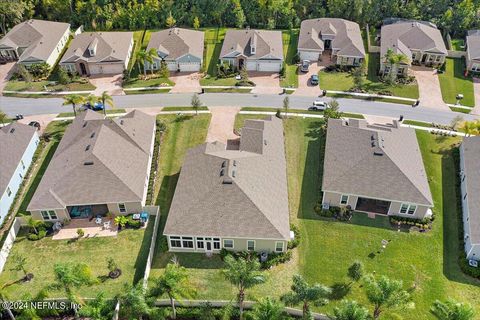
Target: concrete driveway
x: 429, y: 88
x: 6, y: 71
x: 186, y: 82
x: 265, y: 82
x: 43, y: 119
x: 305, y: 88
x: 476, y: 90
x: 221, y: 124
x: 112, y: 84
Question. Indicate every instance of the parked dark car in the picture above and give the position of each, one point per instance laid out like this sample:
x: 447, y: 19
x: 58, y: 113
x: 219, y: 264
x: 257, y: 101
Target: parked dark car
x: 97, y: 106
x: 314, y: 80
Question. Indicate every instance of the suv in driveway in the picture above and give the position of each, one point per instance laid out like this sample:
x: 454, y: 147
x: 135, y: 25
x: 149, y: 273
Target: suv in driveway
x: 305, y: 65
x: 314, y: 80
x: 318, y: 106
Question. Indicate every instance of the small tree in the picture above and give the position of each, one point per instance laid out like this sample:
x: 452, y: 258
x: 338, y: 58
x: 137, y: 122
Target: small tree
x: 355, y: 271
x: 394, y: 60
x: 170, y: 22
x: 452, y: 310
x: 174, y: 283
x: 244, y: 274
x: 141, y: 55
x: 135, y: 303
x: 196, y: 103
x: 105, y: 98
x: 268, y: 309
x: 333, y: 111
x: 63, y: 77
x: 286, y: 105
x: 150, y: 55
x: 358, y: 75
x: 3, y: 117
x: 302, y: 292
x: 24, y: 73
x: 99, y: 308
x: 196, y: 23
x: 349, y: 310
x: 164, y: 72
x: 19, y: 264
x: 74, y: 100
x: 34, y: 224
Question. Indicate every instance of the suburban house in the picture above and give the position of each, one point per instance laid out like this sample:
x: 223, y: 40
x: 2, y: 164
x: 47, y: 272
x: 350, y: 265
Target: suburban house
x: 421, y: 42
x: 35, y: 41
x: 340, y: 38
x: 470, y: 189
x: 473, y: 50
x: 375, y: 169
x: 100, y: 166
x: 181, y: 49
x: 18, y: 143
x: 233, y: 198
x: 254, y: 50
x: 93, y: 53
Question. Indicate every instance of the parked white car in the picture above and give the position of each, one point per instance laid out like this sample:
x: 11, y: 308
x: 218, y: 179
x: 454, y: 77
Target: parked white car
x: 318, y: 106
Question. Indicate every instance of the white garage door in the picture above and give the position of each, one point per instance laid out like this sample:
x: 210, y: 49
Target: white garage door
x: 172, y: 66
x: 269, y: 66
x: 112, y: 68
x: 189, y: 66
x: 308, y: 55
x: 251, y: 65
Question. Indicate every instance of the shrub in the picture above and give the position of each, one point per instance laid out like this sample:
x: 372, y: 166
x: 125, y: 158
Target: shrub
x: 63, y: 77
x: 121, y: 221
x: 296, y: 241
x: 245, y: 83
x: 466, y: 268
x: 42, y: 233
x: 224, y: 70
x: 163, y: 245
x: 135, y: 224
x: 80, y: 233
x: 164, y: 72
x: 274, y: 259
x: 421, y: 223
x: 39, y: 70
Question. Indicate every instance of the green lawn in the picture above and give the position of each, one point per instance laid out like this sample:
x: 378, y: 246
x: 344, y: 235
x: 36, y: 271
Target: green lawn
x: 203, y: 108
x: 458, y: 44
x: 290, y: 42
x: 453, y: 82
x: 343, y: 81
x: 15, y: 85
x: 212, y: 81
x: 213, y: 46
x: 108, y: 111
x: 234, y: 90
x: 156, y: 82
x: 147, y: 91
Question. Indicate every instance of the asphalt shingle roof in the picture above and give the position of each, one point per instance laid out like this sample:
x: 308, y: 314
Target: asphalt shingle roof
x: 473, y: 44
x: 177, y: 42
x: 376, y: 162
x: 98, y: 161
x: 249, y: 200
x: 471, y: 147
x: 266, y: 42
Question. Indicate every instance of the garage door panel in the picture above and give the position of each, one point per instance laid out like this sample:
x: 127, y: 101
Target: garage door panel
x: 186, y: 67
x: 308, y: 55
x: 269, y: 66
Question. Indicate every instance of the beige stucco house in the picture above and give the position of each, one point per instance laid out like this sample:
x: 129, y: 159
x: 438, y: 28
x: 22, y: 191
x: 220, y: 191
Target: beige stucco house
x: 234, y: 199
x: 421, y: 42
x: 473, y: 50
x: 100, y: 166
x: 341, y: 38
x: 376, y: 169
x: 35, y: 41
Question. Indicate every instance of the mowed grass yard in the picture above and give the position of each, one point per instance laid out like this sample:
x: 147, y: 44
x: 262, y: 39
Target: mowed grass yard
x: 290, y: 42
x: 453, y: 82
x: 343, y: 81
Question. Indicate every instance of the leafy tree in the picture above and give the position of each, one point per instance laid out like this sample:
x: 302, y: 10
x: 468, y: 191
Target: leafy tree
x: 99, y: 309
x: 286, y: 105
x: 20, y: 263
x: 452, y: 310
x: 11, y: 13
x: 63, y: 77
x: 106, y: 99
x: 394, y: 60
x: 74, y: 100
x: 164, y: 72
x: 3, y: 117
x: 244, y: 274
x: 196, y: 23
x: 135, y: 303
x: 355, y: 271
x: 332, y: 112
x: 174, y: 283
x: 170, y: 21
x: 239, y: 14
x: 268, y: 309
x: 350, y: 310
x: 385, y: 293
x: 39, y: 70
x: 196, y: 103
x: 469, y: 128
x: 358, y: 75
x: 305, y: 294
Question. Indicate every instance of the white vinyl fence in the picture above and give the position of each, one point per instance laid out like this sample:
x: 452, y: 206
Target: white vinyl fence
x: 154, y: 211
x: 9, y: 240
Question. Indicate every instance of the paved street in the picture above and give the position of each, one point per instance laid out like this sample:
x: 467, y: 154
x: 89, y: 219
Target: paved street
x: 28, y: 106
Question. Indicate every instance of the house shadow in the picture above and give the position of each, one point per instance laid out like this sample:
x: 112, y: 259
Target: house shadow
x: 141, y: 260
x: 380, y: 222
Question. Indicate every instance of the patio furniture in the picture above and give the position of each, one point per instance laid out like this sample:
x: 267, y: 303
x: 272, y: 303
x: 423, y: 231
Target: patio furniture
x: 57, y: 226
x: 98, y: 220
x: 136, y: 216
x: 106, y: 225
x: 144, y: 216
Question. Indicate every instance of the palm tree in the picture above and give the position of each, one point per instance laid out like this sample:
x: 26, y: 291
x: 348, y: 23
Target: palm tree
x: 196, y: 103
x: 105, y: 98
x: 386, y: 293
x: 394, y: 60
x: 306, y: 294
x: 350, y: 310
x: 469, y: 128
x: 141, y: 55
x: 268, y: 309
x: 91, y: 99
x: 286, y: 105
x: 452, y: 310
x: 73, y: 99
x: 135, y: 303
x: 244, y: 274
x: 149, y: 56
x: 34, y: 224
x: 31, y: 313
x: 174, y: 283
x: 100, y: 308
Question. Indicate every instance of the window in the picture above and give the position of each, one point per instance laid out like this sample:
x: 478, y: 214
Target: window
x: 23, y: 164
x: 9, y: 192
x: 175, y: 242
x: 228, y: 243
x: 49, y: 215
x: 438, y: 58
x: 187, y: 242
x: 216, y: 243
x: 122, y: 208
x: 200, y: 243
x: 251, y: 245
x: 279, y: 246
x: 412, y: 209
x: 344, y: 199
x: 406, y: 208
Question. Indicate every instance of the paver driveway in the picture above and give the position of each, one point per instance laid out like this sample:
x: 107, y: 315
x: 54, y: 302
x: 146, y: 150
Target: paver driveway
x: 429, y: 88
x: 221, y: 124
x: 265, y: 82
x: 6, y: 71
x: 186, y: 82
x: 112, y: 84
x: 305, y: 88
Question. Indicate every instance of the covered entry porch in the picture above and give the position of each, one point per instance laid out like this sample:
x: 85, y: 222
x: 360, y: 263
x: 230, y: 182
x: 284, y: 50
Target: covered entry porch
x: 372, y: 205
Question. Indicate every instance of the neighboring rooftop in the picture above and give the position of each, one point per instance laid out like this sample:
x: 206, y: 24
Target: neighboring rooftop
x: 473, y: 44
x: 267, y: 44
x: 346, y: 36
x: 177, y: 42
x: 405, y: 36
x: 234, y: 193
x: 37, y: 38
x: 98, y: 161
x: 99, y: 47
x: 471, y: 146
x: 14, y: 140
x: 376, y: 161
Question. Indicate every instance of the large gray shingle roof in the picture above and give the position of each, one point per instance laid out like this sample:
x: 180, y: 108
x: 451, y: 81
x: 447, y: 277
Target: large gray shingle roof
x: 471, y: 146
x: 110, y: 47
x: 352, y: 164
x: 348, y: 37
x: 14, y: 140
x: 39, y: 37
x: 404, y: 36
x: 98, y: 161
x: 177, y: 42
x: 268, y: 43
x: 255, y: 203
x: 473, y: 44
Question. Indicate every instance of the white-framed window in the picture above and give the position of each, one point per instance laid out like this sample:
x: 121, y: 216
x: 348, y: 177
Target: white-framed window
x: 187, y: 242
x: 406, y: 208
x: 9, y: 192
x: 216, y: 243
x: 438, y: 59
x: 251, y: 245
x: 279, y: 246
x: 411, y: 209
x: 228, y: 243
x: 49, y: 214
x: 200, y: 243
x: 122, y: 208
x: 403, y: 208
x: 175, y: 242
x: 344, y: 199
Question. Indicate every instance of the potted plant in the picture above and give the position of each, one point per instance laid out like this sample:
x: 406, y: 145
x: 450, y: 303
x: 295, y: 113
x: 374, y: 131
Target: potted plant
x: 113, y: 270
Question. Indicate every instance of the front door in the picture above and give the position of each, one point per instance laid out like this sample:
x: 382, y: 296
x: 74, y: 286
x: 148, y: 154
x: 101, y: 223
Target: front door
x: 83, y: 69
x: 208, y: 245
x: 327, y: 44
x: 241, y: 63
x: 424, y: 58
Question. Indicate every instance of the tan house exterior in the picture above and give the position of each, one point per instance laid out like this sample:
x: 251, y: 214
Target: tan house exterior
x: 473, y: 51
x: 92, y: 171
x: 234, y: 199
x: 421, y: 42
x: 375, y: 169
x: 341, y: 38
